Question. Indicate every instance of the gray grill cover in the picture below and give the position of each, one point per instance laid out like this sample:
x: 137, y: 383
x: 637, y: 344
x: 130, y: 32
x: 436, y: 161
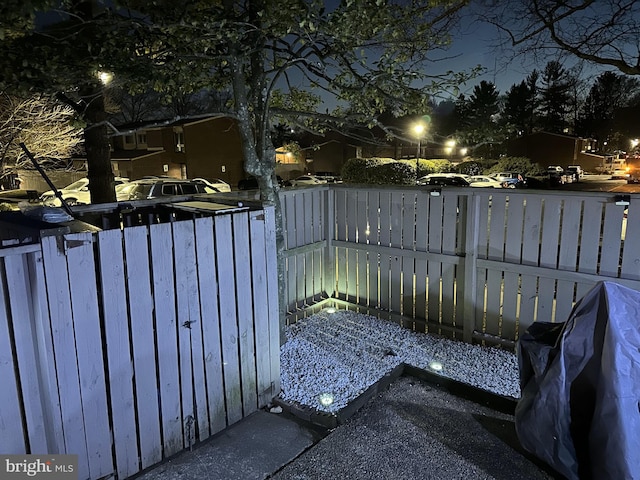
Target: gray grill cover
x: 579, y: 410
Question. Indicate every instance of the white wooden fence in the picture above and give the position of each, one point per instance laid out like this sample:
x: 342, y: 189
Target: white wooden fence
x: 127, y: 346
x: 476, y: 264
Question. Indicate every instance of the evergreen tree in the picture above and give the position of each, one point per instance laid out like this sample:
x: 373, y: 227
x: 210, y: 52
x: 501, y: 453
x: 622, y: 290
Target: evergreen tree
x: 555, y: 98
x: 609, y: 93
x: 518, y: 108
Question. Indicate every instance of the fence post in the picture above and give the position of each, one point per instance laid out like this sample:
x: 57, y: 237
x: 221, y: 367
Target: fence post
x: 470, y: 270
x: 329, y: 211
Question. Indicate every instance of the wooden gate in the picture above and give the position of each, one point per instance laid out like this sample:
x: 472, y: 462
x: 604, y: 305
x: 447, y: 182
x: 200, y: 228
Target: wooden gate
x: 127, y: 346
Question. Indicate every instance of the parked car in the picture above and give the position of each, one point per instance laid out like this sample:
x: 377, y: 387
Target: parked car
x: 509, y: 179
x: 619, y: 173
x: 159, y: 187
x: 76, y: 193
x: 483, y: 181
x: 576, y: 171
x: 444, y: 179
x: 214, y: 186
x: 307, y: 180
x: 555, y: 169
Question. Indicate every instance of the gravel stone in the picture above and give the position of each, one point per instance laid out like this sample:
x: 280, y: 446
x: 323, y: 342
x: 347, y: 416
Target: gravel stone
x: 329, y: 359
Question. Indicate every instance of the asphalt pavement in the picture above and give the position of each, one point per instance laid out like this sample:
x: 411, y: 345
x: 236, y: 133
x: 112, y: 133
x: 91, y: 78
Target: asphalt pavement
x: 411, y: 430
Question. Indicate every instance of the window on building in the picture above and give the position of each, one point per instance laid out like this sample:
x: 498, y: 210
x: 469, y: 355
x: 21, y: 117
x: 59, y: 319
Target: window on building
x: 129, y: 139
x: 142, y: 139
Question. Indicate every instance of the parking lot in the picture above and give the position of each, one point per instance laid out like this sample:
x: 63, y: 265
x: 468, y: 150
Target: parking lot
x: 602, y: 183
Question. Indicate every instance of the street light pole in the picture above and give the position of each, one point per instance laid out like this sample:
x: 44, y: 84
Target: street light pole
x: 418, y: 130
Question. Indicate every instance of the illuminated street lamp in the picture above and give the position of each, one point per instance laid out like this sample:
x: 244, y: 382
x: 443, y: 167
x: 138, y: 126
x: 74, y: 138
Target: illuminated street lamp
x: 634, y: 143
x: 449, y: 145
x: 418, y: 131
x: 105, y: 77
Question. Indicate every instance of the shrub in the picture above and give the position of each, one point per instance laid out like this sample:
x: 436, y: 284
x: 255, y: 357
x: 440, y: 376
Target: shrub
x: 521, y: 165
x: 472, y: 167
x: 378, y: 171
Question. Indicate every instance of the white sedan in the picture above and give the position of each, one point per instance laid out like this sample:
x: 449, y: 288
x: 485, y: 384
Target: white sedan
x: 215, y: 185
x: 76, y: 193
x: 484, y: 181
x: 307, y: 180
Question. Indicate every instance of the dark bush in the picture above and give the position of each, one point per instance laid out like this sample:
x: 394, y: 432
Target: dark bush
x: 472, y: 167
x: 520, y: 165
x: 378, y: 171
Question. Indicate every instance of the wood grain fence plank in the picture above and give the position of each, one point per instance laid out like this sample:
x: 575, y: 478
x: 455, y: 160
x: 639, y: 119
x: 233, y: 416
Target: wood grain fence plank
x: 260, y: 308
x: 246, y: 341
x: 276, y: 327
x: 62, y: 327
x: 190, y: 323
x: 208, y: 285
x: 161, y: 242
x: 143, y: 344
x: 228, y: 318
x: 549, y: 250
x: 86, y: 324
x: 119, y: 361
x: 13, y: 437
x: 26, y: 353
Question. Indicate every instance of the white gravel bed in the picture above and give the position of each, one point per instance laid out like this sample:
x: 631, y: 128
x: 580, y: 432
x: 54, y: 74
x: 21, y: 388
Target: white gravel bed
x: 329, y: 359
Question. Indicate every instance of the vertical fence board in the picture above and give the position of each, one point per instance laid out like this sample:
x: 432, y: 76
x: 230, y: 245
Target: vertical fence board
x: 530, y: 256
x: 289, y: 206
x: 25, y: 352
x: 301, y: 225
x: 385, y: 240
x: 12, y: 434
x: 260, y: 308
x: 568, y: 256
x: 549, y: 249
x: 591, y: 216
x: 245, y: 314
x: 276, y: 328
x: 450, y: 221
x: 317, y: 236
x: 62, y: 327
x: 434, y: 268
x: 143, y: 342
x: 422, y: 219
x: 408, y: 262
x: 86, y: 320
x: 362, y: 237
x: 228, y: 312
x: 208, y: 282
x: 396, y: 260
x: 495, y: 281
x: 352, y: 254
x: 119, y: 361
x: 190, y: 322
x: 630, y: 267
x: 512, y: 254
x: 47, y: 368
x: 611, y: 242
x: 374, y: 258
x: 162, y: 270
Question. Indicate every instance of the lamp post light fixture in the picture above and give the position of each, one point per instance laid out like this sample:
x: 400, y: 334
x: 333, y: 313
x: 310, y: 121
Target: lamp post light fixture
x: 105, y: 77
x: 418, y: 131
x: 449, y: 146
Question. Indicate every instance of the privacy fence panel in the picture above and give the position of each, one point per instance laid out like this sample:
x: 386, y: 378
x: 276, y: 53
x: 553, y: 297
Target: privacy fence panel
x: 126, y: 346
x: 304, y: 230
x: 476, y: 264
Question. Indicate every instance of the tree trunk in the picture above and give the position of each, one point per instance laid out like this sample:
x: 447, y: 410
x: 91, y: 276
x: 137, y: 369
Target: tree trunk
x: 96, y: 143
